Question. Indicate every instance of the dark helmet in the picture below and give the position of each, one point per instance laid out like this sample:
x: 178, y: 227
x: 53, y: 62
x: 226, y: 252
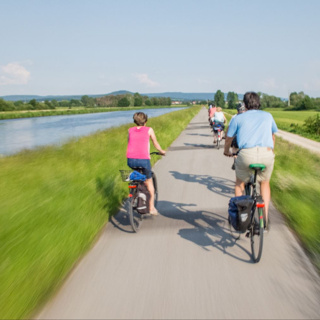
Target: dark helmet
x: 241, y: 107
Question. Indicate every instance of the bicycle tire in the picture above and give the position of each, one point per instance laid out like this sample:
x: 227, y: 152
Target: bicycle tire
x: 257, y: 235
x: 218, y: 142
x: 134, y: 216
x: 155, y: 185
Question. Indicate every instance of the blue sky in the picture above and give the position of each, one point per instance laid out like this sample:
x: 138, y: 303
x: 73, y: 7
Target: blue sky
x: 93, y: 47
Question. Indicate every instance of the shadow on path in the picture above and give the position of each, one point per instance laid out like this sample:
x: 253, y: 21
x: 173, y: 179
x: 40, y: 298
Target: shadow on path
x: 209, y: 229
x: 221, y: 186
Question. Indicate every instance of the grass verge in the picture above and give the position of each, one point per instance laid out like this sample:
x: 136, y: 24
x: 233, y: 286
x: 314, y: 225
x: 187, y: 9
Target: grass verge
x: 295, y: 186
x: 54, y: 201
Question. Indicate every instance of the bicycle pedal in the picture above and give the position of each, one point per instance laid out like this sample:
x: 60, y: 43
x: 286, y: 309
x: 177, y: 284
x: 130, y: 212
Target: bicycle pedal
x: 248, y: 234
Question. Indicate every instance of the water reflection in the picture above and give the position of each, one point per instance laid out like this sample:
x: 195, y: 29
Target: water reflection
x: 19, y: 134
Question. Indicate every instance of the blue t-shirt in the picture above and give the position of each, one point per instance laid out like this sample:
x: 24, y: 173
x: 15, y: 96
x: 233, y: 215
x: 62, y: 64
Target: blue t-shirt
x: 254, y: 128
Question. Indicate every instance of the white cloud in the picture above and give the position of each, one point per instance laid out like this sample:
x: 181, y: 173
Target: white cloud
x: 144, y: 79
x: 13, y: 73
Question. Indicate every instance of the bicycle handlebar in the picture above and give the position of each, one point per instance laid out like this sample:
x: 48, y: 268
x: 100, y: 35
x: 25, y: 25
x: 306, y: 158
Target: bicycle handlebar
x: 156, y: 153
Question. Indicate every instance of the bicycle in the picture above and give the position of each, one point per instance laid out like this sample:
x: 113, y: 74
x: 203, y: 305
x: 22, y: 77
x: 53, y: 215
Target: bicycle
x: 217, y: 132
x: 256, y: 225
x: 135, y: 217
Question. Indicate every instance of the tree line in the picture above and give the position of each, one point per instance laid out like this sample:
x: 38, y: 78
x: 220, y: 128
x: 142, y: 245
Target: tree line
x: 127, y: 100
x: 297, y: 101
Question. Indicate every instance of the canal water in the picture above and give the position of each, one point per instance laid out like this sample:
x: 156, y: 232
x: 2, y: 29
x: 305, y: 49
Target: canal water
x: 29, y: 133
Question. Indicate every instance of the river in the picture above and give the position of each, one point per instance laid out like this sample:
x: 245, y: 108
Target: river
x: 28, y: 133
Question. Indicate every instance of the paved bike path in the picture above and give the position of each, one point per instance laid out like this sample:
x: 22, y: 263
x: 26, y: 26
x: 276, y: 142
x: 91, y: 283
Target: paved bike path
x: 185, y: 264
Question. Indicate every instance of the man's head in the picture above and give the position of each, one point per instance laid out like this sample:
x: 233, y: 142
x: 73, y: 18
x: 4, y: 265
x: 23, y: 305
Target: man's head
x: 241, y: 107
x: 140, y: 118
x: 251, y: 101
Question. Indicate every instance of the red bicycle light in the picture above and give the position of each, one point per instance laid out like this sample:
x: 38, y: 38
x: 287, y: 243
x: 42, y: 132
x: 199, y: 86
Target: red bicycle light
x: 260, y: 205
x: 132, y: 187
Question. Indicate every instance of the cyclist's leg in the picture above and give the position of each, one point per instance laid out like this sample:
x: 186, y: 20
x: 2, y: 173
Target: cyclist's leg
x: 150, y: 186
x: 266, y: 195
x: 239, y: 187
x: 266, y: 156
x: 243, y: 172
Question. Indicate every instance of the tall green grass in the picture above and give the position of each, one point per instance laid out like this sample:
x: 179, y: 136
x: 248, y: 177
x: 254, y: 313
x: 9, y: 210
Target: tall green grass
x: 54, y: 202
x: 295, y: 186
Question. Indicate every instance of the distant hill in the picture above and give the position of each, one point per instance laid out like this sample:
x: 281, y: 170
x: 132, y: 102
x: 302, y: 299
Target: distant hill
x: 184, y: 96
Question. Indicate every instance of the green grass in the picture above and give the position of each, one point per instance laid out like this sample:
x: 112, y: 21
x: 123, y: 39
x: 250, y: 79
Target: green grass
x: 295, y: 186
x: 54, y: 202
x: 76, y: 110
x: 287, y: 120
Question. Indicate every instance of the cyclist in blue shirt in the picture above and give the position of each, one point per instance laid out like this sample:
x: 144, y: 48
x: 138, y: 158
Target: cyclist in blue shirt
x: 255, y: 131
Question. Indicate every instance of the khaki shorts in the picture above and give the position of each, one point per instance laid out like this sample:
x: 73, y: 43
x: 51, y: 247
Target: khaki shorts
x: 254, y: 155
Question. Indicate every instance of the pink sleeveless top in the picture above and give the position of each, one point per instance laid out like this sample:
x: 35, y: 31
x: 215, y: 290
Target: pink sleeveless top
x: 138, y: 143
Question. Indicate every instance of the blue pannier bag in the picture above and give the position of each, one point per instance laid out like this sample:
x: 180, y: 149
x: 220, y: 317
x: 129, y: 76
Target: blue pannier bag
x: 137, y: 176
x: 240, y: 212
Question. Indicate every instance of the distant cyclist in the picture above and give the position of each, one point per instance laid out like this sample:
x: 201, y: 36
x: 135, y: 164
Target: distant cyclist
x: 255, y: 130
x: 212, y: 111
x: 241, y: 108
x: 218, y: 119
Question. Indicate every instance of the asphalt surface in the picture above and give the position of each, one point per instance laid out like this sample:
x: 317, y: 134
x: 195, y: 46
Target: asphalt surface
x: 185, y: 263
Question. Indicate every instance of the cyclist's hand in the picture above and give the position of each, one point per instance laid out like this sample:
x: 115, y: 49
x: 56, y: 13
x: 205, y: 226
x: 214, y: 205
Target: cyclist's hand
x: 163, y: 153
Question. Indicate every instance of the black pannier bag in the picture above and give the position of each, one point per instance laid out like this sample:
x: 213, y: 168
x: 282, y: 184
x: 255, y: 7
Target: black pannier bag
x: 143, y: 198
x: 240, y: 212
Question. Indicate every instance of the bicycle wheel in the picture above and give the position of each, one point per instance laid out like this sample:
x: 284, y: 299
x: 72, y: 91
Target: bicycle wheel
x: 155, y: 184
x: 257, y: 235
x: 134, y: 216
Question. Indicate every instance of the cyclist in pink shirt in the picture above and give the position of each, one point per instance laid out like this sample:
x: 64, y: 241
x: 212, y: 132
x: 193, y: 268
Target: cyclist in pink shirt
x: 138, y: 151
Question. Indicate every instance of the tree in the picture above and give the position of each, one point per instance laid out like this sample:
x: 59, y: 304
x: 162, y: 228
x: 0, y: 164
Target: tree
x: 219, y: 99
x: 155, y: 101
x: 49, y: 104
x: 232, y: 99
x: 33, y: 103
x: 305, y: 104
x: 267, y: 101
x: 54, y: 103
x: 137, y: 100
x: 296, y: 98
x: 87, y: 101
x: 124, y: 102
x: 148, y: 102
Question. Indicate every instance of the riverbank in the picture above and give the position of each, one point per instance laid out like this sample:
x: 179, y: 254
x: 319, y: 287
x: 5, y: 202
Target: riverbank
x: 54, y: 202
x: 64, y: 111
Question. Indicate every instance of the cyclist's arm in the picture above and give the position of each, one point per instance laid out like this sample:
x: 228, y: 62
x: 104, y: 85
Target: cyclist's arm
x: 274, y: 141
x: 225, y: 119
x: 155, y: 141
x: 227, y: 146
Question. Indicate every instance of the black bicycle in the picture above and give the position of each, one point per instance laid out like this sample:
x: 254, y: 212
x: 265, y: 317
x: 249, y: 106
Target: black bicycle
x: 135, y: 217
x: 254, y: 227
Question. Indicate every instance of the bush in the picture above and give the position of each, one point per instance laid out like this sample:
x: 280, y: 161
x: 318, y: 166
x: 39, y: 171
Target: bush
x: 312, y: 125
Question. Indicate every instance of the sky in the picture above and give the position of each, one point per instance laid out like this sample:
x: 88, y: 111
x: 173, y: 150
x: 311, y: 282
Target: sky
x: 78, y: 47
